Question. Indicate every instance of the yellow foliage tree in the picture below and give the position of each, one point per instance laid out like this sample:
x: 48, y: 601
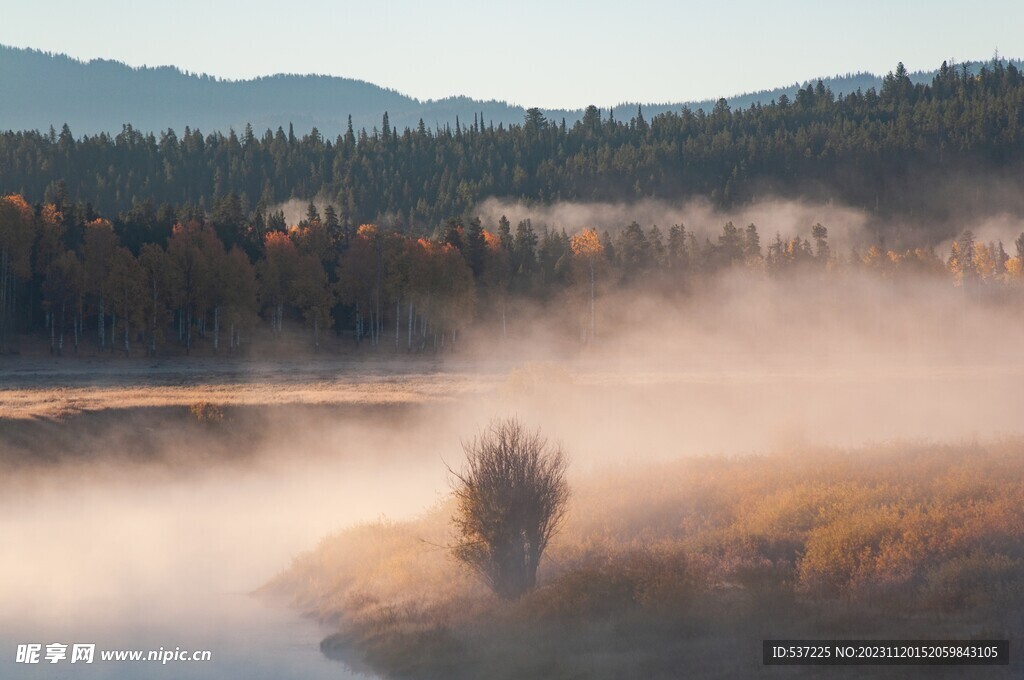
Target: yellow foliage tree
x: 587, y: 252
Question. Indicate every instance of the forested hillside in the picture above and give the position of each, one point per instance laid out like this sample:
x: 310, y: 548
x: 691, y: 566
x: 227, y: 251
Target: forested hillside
x: 134, y: 242
x: 911, y: 151
x: 66, y: 277
x: 108, y: 94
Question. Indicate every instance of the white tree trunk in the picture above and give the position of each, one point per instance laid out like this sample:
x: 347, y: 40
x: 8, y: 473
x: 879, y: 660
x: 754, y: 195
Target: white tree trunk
x: 216, y: 328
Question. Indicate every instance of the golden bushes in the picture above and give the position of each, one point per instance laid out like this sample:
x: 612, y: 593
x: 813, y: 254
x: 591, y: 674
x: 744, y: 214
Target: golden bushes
x: 917, y: 526
x: 206, y: 412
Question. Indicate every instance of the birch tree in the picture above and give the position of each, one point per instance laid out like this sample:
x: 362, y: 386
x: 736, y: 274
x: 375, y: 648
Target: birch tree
x: 16, y: 235
x: 240, y: 293
x: 587, y: 253
x: 360, y: 279
x: 311, y: 292
x: 62, y: 289
x: 125, y: 286
x: 98, y: 246
x: 189, y: 253
x: 497, y: 276
x: 277, y: 271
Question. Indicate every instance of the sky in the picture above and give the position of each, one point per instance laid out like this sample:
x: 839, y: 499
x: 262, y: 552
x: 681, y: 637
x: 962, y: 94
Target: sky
x: 554, y: 54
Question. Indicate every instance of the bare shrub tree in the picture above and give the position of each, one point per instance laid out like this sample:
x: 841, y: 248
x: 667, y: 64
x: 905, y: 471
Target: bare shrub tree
x: 512, y: 497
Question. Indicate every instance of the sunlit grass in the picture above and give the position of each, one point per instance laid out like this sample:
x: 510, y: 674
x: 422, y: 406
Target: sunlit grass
x: 660, y: 561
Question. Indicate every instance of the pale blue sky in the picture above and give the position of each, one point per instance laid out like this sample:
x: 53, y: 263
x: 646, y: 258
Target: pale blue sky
x: 548, y: 54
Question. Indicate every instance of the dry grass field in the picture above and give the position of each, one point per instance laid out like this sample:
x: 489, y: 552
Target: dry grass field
x: 684, y: 567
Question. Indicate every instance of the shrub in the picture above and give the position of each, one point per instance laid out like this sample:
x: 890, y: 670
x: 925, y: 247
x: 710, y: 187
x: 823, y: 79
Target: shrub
x: 205, y: 412
x: 511, y: 499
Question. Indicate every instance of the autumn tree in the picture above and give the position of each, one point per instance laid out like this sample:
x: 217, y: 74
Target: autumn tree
x: 125, y: 285
x: 63, y: 289
x: 277, y: 272
x: 587, y: 253
x: 240, y: 291
x: 193, y: 250
x: 961, y: 259
x: 497, y: 277
x: 398, y: 283
x: 422, y: 270
x: 49, y: 238
x: 98, y: 246
x: 455, y: 293
x: 156, y: 277
x: 311, y: 292
x: 16, y: 235
x: 359, y: 277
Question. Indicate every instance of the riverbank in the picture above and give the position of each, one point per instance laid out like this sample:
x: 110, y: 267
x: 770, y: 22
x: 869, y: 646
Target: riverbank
x: 685, y: 567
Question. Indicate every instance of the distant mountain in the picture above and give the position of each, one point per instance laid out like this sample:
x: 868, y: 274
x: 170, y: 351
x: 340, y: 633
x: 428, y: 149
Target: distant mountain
x: 39, y: 89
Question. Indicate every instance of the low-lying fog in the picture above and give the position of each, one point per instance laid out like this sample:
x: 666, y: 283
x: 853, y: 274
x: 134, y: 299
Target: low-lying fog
x: 143, y: 557
x: 124, y: 547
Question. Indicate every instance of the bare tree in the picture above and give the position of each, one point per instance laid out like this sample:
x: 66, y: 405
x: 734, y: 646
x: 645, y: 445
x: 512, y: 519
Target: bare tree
x: 512, y: 497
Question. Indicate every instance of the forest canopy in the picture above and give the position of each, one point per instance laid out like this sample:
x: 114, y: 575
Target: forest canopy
x: 897, y: 151
x: 138, y: 241
x: 69, y: 274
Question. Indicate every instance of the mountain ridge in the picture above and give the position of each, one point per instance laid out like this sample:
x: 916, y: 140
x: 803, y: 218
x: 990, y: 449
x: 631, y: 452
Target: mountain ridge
x: 108, y: 94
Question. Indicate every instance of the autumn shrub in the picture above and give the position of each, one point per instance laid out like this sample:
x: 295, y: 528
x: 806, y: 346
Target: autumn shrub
x: 872, y: 541
x: 206, y: 412
x: 976, y: 579
x: 585, y: 593
x: 841, y: 554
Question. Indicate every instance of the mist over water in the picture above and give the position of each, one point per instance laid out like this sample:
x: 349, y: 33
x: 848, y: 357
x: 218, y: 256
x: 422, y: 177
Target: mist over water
x: 137, y: 549
x: 132, y: 556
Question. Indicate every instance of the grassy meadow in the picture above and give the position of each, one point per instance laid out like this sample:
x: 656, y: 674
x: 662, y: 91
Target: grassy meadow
x: 682, y: 568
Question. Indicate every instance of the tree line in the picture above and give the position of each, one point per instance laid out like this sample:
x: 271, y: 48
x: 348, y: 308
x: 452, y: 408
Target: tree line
x: 68, y: 276
x: 882, y: 151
